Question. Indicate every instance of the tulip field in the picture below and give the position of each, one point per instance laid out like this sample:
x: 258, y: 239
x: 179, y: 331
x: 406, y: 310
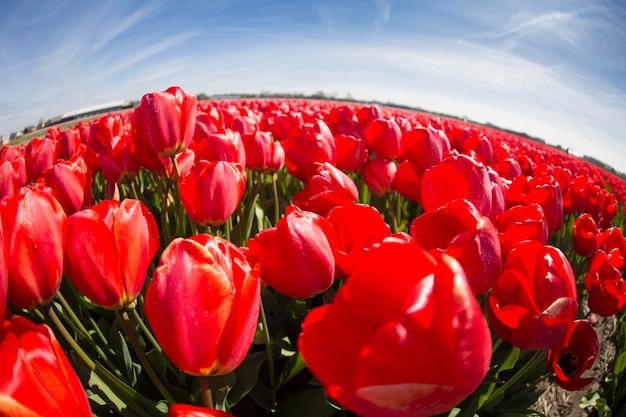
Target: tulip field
x: 305, y: 258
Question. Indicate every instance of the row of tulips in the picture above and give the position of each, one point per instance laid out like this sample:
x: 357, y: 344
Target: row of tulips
x: 294, y: 258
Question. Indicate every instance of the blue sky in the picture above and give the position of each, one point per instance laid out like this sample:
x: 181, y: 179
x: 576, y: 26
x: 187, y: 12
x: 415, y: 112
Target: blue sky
x: 553, y: 69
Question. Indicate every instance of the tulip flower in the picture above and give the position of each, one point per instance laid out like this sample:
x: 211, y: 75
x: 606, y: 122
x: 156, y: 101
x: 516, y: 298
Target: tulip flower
x: 352, y: 152
x: 203, y: 304
x: 535, y: 300
x: 4, y: 271
x: 328, y: 188
x: 260, y: 149
x: 40, y: 155
x: 573, y: 356
x: 354, y: 240
x: 36, y: 378
x: 109, y: 248
x: 585, y: 235
x: 296, y: 256
x: 459, y: 230
x: 520, y: 223
x: 35, y: 237
x: 186, y: 410
x: 311, y: 144
x: 424, y: 148
x: 420, y: 349
x: 384, y: 138
x: 12, y: 176
x: 165, y: 121
x: 457, y: 177
x: 604, y: 283
x: 70, y: 182
x: 227, y: 146
x: 408, y: 183
x: 380, y: 175
x: 69, y: 142
x: 546, y: 192
x: 211, y: 191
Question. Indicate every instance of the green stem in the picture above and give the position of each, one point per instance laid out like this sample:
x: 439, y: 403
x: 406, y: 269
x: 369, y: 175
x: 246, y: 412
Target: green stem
x: 120, y: 388
x: 270, y: 355
x: 146, y: 331
x: 133, y: 190
x: 132, y: 337
x: 394, y: 220
x: 176, y: 168
x: 519, y: 376
x: 207, y: 397
x: 276, y: 201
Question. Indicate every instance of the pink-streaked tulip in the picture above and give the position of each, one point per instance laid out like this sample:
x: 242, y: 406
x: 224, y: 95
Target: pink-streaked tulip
x: 328, y: 188
x: 604, y: 284
x: 41, y: 154
x: 457, y: 177
x: 203, y: 304
x: 383, y: 138
x: 70, y: 182
x: 573, y: 356
x: 459, y: 230
x: 36, y: 378
x: 35, y: 234
x: 378, y: 363
x: 535, y: 301
x: 585, y: 234
x: 354, y: 240
x: 380, y: 175
x: 108, y: 251
x: 186, y: 410
x: 307, y: 146
x: 520, y: 223
x: 296, y: 256
x: 211, y: 191
x: 165, y: 121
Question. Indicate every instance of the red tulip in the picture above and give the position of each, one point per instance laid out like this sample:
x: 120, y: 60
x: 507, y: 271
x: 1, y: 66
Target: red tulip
x: 328, y: 188
x: 354, y: 240
x: 383, y: 138
x: 296, y: 255
x: 604, y: 283
x: 408, y: 183
x: 306, y: 147
x: 227, y: 146
x: 419, y: 350
x: 105, y: 132
x: 508, y: 168
x: 458, y: 229
x: 546, y: 192
x: 36, y: 379
x: 380, y: 175
x: 165, y: 121
x: 70, y: 182
x: 4, y: 271
x: 211, y: 191
x: 260, y: 148
x: 352, y: 152
x: 120, y: 163
x: 573, y: 356
x: 69, y: 142
x: 457, y: 177
x: 535, y: 300
x: 203, y: 304
x: 520, y: 223
x: 40, y: 155
x: 424, y: 148
x: 185, y: 410
x: 12, y: 176
x: 585, y: 233
x: 109, y: 248
x: 35, y: 234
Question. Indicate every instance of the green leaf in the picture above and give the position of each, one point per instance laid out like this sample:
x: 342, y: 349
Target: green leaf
x: 129, y: 366
x: 294, y: 365
x: 247, y: 376
x: 310, y: 403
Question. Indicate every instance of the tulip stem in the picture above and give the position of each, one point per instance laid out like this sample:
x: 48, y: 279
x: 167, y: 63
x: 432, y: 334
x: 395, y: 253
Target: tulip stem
x: 85, y: 334
x: 147, y: 331
x: 207, y: 396
x: 176, y: 168
x: 132, y: 337
x: 270, y: 354
x: 519, y: 376
x: 392, y: 212
x: 276, y: 203
x: 111, y: 381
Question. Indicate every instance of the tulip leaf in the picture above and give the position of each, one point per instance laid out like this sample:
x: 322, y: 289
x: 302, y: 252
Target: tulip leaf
x: 160, y: 364
x: 247, y: 375
x: 294, y: 365
x: 262, y: 395
x: 131, y: 368
x: 309, y: 403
